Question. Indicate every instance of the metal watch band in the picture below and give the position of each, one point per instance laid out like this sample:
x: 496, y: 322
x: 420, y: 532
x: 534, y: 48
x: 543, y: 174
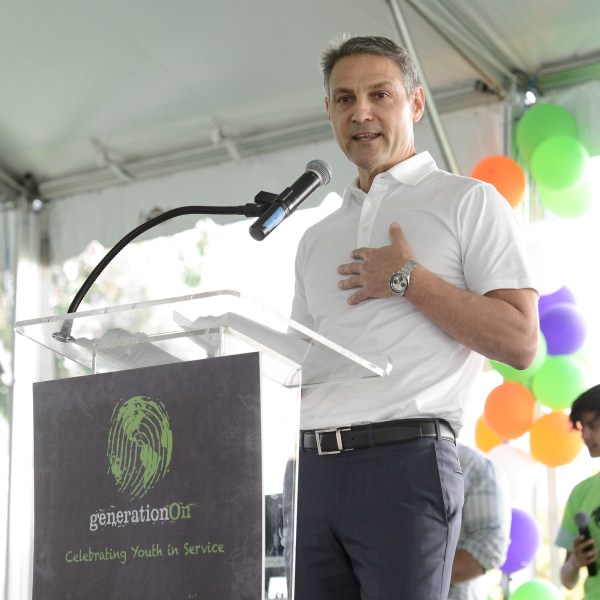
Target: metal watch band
x: 403, y: 275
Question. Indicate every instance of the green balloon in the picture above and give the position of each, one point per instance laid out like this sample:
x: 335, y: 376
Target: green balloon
x: 536, y: 589
x: 559, y: 162
x: 559, y: 381
x: 540, y: 122
x: 569, y: 203
x: 524, y: 376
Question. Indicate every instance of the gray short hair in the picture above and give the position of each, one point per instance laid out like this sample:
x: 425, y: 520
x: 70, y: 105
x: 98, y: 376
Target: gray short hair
x: 376, y: 45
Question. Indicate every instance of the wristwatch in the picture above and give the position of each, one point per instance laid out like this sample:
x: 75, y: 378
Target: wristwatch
x: 400, y: 279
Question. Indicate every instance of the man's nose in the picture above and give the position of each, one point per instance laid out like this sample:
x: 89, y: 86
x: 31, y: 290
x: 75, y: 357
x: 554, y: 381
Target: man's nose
x: 362, y: 111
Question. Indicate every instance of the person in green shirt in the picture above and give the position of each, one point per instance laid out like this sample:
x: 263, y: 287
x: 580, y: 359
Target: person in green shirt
x: 584, y: 498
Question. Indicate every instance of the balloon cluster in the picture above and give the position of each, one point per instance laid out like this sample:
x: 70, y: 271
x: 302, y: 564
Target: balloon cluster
x: 549, y: 147
x: 534, y: 401
x: 548, y: 142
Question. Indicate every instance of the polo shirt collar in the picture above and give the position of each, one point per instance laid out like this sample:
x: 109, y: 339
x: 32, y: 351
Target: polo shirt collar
x: 413, y: 169
x: 410, y: 171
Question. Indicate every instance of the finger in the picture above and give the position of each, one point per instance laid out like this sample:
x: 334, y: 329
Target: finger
x: 396, y: 233
x: 359, y: 253
x: 350, y: 283
x: 587, y: 545
x: 358, y: 297
x: 349, y: 269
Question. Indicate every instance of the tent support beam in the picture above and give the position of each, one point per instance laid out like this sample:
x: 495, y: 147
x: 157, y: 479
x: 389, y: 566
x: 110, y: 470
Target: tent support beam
x: 11, y: 185
x: 480, y: 53
x: 436, y: 122
x: 451, y: 98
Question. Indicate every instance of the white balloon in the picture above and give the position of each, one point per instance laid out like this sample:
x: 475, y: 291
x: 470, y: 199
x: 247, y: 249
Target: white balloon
x: 546, y: 255
x: 517, y: 467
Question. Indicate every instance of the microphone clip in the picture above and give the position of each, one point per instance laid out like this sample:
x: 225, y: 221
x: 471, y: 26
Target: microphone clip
x: 262, y: 201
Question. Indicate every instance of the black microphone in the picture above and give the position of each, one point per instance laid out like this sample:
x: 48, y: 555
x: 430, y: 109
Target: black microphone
x: 582, y: 520
x: 317, y: 173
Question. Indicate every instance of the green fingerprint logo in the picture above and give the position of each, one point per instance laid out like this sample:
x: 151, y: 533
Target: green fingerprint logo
x: 140, y: 444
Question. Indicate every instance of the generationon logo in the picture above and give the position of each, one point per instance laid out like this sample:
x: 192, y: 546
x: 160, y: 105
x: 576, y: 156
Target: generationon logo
x: 140, y: 445
x: 139, y: 451
x: 175, y: 511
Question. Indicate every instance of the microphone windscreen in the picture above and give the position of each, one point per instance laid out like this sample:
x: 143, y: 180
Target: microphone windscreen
x: 320, y: 168
x: 582, y: 520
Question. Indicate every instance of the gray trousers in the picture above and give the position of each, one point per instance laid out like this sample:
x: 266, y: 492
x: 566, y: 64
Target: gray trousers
x: 380, y: 523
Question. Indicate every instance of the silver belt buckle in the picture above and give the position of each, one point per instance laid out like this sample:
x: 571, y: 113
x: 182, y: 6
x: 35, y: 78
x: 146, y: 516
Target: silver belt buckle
x: 338, y: 439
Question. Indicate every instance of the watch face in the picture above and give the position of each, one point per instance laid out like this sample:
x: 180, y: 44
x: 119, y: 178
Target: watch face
x: 399, y: 283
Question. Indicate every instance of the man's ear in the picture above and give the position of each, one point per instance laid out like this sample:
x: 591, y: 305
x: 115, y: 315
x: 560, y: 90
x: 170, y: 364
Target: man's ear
x: 418, y: 102
x: 327, y: 107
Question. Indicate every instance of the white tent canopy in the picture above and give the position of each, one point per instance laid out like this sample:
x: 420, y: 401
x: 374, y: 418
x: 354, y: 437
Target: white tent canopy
x: 106, y: 93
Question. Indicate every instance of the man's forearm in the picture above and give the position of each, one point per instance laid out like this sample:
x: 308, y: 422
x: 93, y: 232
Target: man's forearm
x: 465, y: 567
x: 502, y: 325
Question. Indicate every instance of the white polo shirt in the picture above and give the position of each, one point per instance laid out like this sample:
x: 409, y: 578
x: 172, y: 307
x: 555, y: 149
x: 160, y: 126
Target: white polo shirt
x: 460, y: 229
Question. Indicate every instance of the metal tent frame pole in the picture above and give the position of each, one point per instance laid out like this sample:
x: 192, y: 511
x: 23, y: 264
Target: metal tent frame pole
x: 436, y: 121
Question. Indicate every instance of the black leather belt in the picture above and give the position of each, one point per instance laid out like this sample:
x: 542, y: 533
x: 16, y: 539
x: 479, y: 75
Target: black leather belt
x: 334, y: 441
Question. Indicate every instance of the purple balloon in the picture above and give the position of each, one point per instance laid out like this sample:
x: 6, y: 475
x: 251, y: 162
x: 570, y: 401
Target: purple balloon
x: 560, y: 296
x: 524, y: 541
x: 564, y: 328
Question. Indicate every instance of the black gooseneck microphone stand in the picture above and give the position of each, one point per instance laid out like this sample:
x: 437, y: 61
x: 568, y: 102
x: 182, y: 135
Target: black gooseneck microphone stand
x: 262, y: 202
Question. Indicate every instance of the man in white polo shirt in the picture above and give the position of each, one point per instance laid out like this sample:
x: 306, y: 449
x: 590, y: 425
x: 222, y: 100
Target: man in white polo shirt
x: 428, y: 268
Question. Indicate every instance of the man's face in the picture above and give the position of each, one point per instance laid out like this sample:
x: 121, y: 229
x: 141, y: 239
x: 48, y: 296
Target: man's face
x: 589, y: 425
x: 371, y: 114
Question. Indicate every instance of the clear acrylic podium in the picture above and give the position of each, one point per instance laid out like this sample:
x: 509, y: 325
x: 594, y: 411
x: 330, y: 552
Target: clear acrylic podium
x: 213, y: 325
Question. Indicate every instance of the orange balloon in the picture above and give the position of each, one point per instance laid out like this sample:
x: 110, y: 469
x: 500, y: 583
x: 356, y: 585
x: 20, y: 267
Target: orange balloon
x: 485, y: 438
x: 504, y: 174
x: 509, y: 410
x: 553, y: 441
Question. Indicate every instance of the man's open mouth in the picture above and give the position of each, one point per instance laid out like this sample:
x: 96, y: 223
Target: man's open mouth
x: 365, y: 137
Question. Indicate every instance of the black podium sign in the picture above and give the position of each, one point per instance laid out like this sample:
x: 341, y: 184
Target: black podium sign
x: 148, y: 483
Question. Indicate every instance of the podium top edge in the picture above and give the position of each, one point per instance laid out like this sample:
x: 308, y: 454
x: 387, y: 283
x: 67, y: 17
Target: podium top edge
x: 124, y: 307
